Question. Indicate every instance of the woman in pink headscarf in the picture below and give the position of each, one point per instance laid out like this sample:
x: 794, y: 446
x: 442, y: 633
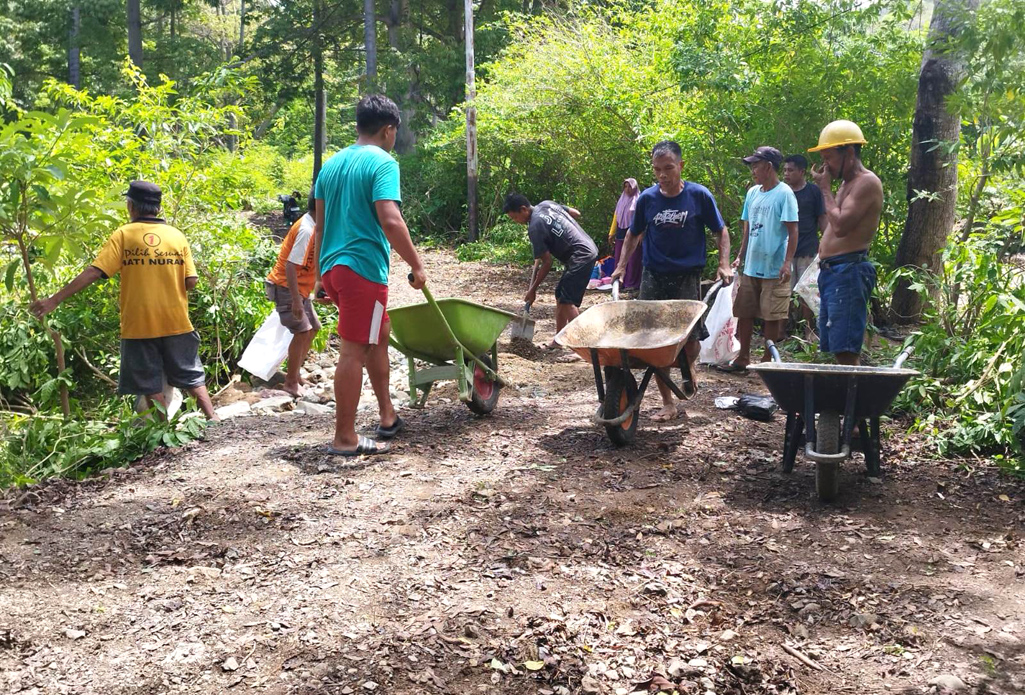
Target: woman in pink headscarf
x: 621, y: 222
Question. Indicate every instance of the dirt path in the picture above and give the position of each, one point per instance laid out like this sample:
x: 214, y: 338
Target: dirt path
x: 518, y: 553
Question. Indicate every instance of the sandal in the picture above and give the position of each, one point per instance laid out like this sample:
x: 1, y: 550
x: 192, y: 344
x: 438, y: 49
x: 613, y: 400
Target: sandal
x: 389, y: 432
x: 732, y: 368
x: 365, y: 446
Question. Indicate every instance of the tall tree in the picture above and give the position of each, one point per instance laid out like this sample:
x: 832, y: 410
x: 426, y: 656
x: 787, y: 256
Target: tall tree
x: 370, y: 41
x: 134, y: 12
x: 319, y: 97
x: 932, y: 177
x: 74, y: 53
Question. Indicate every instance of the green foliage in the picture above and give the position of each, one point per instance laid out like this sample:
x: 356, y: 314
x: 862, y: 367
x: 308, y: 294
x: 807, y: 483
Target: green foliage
x: 572, y: 105
x: 971, y: 396
x: 505, y: 243
x: 40, y: 446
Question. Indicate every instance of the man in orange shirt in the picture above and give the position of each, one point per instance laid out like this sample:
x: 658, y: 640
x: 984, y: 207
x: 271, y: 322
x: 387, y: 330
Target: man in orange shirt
x: 289, y: 285
x: 158, y: 342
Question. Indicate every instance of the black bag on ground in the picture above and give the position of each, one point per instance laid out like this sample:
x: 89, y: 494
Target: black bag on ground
x: 757, y: 407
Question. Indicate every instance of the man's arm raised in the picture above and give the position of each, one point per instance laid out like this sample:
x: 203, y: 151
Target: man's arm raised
x: 395, y: 229
x: 864, y: 199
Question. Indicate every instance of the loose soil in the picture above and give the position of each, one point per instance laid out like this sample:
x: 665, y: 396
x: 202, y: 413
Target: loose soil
x: 515, y: 553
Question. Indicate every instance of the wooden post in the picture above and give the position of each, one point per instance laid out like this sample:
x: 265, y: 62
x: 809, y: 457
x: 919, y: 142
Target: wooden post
x: 471, y: 128
x: 370, y: 42
x: 74, y: 51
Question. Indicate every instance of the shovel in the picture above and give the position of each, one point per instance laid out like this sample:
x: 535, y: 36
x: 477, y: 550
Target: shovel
x: 523, y: 327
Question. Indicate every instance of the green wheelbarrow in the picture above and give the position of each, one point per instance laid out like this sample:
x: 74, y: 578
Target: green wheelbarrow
x: 459, y: 340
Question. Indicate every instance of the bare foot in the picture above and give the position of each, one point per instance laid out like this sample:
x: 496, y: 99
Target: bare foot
x: 667, y: 414
x: 294, y: 390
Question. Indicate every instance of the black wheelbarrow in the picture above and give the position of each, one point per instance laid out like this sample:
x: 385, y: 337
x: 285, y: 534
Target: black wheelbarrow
x: 623, y: 335
x: 842, y: 397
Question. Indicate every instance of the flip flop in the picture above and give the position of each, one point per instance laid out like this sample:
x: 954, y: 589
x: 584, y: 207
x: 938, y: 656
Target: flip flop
x: 389, y: 432
x: 732, y: 368
x: 365, y: 446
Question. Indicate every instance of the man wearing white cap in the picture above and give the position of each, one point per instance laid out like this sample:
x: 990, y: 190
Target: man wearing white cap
x: 846, y: 276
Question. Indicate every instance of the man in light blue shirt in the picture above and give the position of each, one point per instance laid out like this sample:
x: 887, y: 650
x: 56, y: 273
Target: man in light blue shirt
x: 769, y: 223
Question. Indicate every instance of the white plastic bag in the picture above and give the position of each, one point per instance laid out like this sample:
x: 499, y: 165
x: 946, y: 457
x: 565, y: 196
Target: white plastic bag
x: 172, y: 396
x: 721, y: 346
x: 268, y: 348
x: 807, y: 288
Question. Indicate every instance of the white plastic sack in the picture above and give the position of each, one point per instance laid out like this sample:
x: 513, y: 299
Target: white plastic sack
x: 172, y: 396
x: 721, y: 346
x: 807, y: 288
x: 268, y: 348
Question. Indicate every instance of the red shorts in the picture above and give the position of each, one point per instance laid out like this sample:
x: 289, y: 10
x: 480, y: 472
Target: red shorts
x: 361, y: 305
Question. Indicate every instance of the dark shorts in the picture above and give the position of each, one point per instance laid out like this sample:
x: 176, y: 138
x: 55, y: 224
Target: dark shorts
x: 282, y: 299
x: 573, y: 283
x: 661, y: 287
x: 845, y: 287
x: 147, y: 362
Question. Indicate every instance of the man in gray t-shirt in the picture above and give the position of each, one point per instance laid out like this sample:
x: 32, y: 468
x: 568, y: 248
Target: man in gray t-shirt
x: 553, y: 232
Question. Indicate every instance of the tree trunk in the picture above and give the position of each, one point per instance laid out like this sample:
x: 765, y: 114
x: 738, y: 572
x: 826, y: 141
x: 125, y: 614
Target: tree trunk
x: 471, y: 128
x: 74, y: 72
x: 932, y: 176
x: 370, y: 42
x: 319, y: 100
x: 55, y: 336
x: 241, y: 26
x: 134, y: 32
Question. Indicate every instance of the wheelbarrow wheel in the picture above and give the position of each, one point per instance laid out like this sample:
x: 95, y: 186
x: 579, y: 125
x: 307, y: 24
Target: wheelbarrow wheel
x: 620, y: 391
x: 827, y: 475
x: 484, y: 395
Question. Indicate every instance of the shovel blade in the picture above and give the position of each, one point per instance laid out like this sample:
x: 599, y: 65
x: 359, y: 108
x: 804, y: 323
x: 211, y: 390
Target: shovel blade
x: 523, y: 328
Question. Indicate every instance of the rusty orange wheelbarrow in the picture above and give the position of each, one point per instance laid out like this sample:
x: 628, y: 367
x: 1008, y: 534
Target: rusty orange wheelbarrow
x: 619, y: 336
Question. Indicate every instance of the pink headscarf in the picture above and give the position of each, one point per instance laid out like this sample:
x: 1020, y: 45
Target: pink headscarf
x: 627, y: 204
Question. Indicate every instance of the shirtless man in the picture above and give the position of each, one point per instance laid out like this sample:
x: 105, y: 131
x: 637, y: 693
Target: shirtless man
x: 846, y: 276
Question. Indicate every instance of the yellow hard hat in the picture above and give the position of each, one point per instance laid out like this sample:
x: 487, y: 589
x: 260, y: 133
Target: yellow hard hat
x: 839, y: 133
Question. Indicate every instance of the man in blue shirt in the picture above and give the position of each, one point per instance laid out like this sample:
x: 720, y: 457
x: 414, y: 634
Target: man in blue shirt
x: 671, y: 219
x: 357, y: 223
x: 767, y: 252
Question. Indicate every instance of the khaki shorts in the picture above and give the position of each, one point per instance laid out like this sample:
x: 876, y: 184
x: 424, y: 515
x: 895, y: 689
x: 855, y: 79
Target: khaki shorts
x: 282, y: 299
x: 762, y: 298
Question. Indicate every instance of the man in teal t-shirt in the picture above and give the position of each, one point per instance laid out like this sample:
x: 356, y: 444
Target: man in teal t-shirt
x: 769, y: 223
x: 358, y: 223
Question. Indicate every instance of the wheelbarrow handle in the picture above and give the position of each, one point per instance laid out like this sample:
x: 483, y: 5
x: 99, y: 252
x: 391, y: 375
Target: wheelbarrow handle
x: 716, y: 286
x: 452, y: 336
x: 771, y: 347
x: 903, y: 356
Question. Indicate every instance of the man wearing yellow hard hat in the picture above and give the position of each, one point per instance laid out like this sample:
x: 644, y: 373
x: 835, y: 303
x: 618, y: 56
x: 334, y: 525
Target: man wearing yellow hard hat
x: 846, y: 276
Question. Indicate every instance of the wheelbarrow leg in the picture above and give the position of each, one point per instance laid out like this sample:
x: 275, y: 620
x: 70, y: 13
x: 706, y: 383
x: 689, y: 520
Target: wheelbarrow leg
x: 687, y: 383
x: 871, y: 446
x: 792, y: 440
x: 599, y: 384
x: 415, y: 400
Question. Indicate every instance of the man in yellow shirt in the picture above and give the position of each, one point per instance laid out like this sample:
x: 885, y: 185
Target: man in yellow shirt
x: 158, y: 342
x: 288, y: 285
